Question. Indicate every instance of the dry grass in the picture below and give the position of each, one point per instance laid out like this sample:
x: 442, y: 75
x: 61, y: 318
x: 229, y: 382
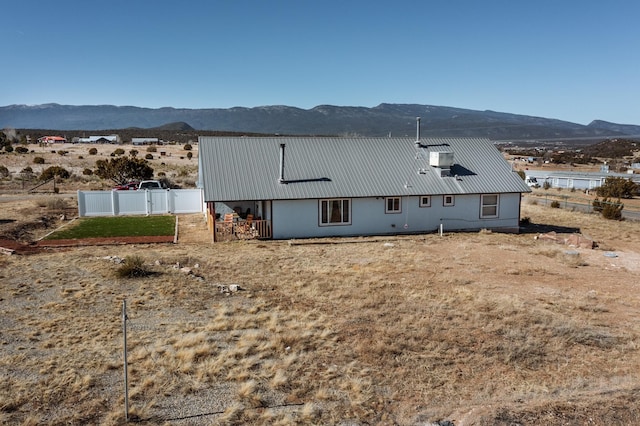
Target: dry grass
x: 476, y: 328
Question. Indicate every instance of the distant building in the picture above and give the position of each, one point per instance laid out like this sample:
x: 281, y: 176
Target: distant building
x: 146, y: 141
x: 99, y: 139
x: 52, y: 139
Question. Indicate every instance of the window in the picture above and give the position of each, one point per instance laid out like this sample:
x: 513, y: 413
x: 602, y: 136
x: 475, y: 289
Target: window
x: 425, y: 201
x: 448, y: 200
x: 489, y: 205
x: 393, y: 205
x: 335, y: 212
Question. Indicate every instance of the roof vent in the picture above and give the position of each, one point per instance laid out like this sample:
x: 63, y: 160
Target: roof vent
x: 443, y: 172
x: 443, y: 159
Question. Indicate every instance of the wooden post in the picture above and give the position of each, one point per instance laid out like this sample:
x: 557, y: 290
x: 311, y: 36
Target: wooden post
x: 126, y: 378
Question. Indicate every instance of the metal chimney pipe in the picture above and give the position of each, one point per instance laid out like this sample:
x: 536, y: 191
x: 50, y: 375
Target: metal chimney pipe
x: 417, y: 129
x: 281, y: 178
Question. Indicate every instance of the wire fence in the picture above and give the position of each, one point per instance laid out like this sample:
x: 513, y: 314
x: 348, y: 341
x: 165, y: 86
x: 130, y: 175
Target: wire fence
x: 577, y: 203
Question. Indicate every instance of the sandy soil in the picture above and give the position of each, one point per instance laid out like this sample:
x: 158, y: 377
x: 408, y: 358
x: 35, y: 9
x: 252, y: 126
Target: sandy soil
x: 520, y: 330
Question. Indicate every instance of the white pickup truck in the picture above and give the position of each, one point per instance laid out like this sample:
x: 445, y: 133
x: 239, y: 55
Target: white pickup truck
x: 150, y: 184
x: 532, y: 182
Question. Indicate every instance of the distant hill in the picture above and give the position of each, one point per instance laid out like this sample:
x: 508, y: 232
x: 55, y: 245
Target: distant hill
x: 179, y: 126
x: 382, y: 120
x: 628, y: 129
x: 617, y: 148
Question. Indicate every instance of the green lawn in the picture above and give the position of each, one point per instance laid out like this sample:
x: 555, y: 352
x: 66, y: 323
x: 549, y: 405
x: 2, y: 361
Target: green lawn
x: 119, y: 226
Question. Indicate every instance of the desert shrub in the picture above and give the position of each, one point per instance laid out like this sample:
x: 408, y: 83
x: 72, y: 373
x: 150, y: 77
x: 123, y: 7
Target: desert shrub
x: 8, y: 148
x: 53, y: 171
x: 617, y: 187
x: 525, y: 221
x: 546, y: 185
x: 613, y: 211
x: 522, y: 174
x: 56, y: 204
x: 152, y: 149
x: 609, y: 209
x: 184, y: 172
x: 22, y: 150
x: 555, y: 204
x: 149, y: 157
x: 87, y: 172
x: 162, y: 174
x: 123, y: 169
x: 4, y: 172
x: 62, y: 152
x: 189, y: 155
x: 27, y: 170
x: 133, y: 152
x: 118, y: 151
x: 38, y: 160
x: 93, y: 151
x: 133, y: 267
x: 187, y: 147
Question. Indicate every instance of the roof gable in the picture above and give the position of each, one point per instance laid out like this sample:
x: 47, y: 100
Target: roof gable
x: 245, y: 168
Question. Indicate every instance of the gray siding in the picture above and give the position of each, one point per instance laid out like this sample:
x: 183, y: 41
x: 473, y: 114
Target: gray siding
x: 300, y: 218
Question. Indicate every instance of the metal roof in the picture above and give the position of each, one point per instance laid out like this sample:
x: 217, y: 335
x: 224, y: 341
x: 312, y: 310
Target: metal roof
x: 247, y: 168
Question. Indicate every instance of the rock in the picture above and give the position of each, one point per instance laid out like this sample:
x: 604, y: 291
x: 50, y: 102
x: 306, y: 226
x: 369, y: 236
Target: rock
x: 573, y: 240
x: 580, y: 241
x: 549, y: 236
x: 186, y: 270
x: 234, y: 287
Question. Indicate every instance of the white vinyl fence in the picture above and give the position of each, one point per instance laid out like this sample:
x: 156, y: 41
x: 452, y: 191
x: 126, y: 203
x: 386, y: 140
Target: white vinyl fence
x: 147, y: 202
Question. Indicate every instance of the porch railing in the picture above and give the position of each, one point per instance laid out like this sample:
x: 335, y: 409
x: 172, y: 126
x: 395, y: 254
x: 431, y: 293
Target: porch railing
x: 241, y: 230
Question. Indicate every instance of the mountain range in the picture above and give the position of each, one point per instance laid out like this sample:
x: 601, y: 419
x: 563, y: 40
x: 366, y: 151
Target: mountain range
x: 382, y: 120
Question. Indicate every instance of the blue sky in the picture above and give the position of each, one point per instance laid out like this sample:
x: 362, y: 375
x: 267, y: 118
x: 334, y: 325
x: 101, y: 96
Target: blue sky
x: 565, y: 59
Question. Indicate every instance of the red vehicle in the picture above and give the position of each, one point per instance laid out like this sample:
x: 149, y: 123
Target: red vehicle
x: 130, y: 186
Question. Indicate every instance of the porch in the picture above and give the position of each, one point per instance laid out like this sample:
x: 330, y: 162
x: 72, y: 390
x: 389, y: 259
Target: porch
x: 234, y: 225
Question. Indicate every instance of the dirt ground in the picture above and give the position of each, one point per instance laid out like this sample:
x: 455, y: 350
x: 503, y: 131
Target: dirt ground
x: 467, y: 328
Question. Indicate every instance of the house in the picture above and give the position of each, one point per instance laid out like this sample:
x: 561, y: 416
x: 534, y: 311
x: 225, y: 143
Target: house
x: 302, y: 187
x: 52, y: 139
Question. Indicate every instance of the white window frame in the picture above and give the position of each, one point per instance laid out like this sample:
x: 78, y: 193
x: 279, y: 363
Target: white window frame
x: 395, y: 208
x: 426, y: 203
x: 324, y: 211
x: 450, y: 203
x: 487, y: 202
